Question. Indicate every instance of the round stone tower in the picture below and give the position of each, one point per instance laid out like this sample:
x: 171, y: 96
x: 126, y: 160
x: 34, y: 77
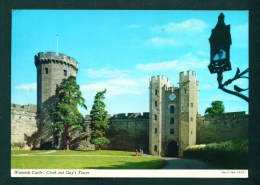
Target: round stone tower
x: 51, y: 69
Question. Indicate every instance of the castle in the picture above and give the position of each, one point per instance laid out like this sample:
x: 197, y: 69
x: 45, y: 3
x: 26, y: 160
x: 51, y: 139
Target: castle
x: 172, y: 124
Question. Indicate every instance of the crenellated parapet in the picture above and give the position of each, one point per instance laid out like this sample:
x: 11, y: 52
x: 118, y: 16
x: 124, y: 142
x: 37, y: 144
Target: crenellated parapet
x: 26, y: 108
x: 48, y: 57
x: 145, y: 115
x: 170, y: 89
x: 190, y: 76
x: 121, y: 116
x: 222, y: 127
x: 226, y: 116
x: 160, y: 79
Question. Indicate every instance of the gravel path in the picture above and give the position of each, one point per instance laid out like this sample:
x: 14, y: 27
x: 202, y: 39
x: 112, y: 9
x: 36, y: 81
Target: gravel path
x: 180, y: 163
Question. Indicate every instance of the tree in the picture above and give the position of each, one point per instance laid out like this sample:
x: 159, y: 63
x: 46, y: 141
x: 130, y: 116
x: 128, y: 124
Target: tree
x: 98, y: 116
x: 217, y: 107
x: 64, y: 112
x: 33, y: 140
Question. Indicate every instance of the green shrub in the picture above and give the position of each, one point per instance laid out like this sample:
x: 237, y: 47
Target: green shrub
x: 230, y: 154
x: 19, y: 145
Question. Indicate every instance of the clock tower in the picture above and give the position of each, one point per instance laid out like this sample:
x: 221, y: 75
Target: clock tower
x: 173, y: 111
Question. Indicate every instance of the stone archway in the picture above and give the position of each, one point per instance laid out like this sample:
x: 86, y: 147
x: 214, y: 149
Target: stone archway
x: 172, y: 149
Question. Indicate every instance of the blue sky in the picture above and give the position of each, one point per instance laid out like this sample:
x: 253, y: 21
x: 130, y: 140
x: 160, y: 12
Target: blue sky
x: 121, y: 49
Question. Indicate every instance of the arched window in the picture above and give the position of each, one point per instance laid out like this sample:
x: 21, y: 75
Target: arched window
x: 172, y: 109
x: 155, y: 103
x: 64, y: 72
x: 155, y: 148
x: 155, y: 91
x: 155, y: 130
x: 172, y: 120
x: 155, y: 117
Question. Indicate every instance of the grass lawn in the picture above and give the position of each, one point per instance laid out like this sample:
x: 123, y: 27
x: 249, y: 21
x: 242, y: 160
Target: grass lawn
x: 104, y: 159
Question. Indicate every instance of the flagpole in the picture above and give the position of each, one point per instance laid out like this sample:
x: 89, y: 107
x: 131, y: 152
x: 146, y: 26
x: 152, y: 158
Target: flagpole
x: 57, y: 43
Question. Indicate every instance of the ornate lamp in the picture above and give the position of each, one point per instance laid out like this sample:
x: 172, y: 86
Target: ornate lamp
x: 220, y: 41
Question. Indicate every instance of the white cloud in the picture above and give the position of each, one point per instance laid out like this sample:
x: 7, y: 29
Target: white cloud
x: 190, y: 25
x: 188, y: 32
x: 31, y: 86
x: 159, y: 66
x: 202, y: 53
x: 188, y: 61
x: 105, y: 73
x: 112, y: 89
x: 116, y: 82
x: 158, y: 41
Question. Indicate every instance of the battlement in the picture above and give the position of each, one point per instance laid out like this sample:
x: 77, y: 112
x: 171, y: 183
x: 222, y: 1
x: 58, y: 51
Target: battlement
x: 159, y: 77
x: 189, y: 73
x: 170, y: 89
x: 52, y: 57
x: 28, y: 108
x: 227, y: 115
x: 162, y: 79
x: 138, y: 115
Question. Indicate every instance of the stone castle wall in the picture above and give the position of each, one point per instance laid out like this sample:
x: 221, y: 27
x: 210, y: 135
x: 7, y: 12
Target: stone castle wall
x: 210, y: 128
x: 127, y: 131
x: 23, y: 121
x: 219, y: 128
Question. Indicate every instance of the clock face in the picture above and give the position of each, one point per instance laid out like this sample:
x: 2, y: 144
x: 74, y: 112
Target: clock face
x: 172, y: 97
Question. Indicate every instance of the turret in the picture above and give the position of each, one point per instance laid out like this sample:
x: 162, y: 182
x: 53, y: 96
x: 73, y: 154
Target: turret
x: 51, y: 69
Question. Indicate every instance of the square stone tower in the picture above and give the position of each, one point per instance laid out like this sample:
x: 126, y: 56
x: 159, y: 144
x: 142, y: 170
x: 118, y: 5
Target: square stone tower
x: 189, y: 104
x: 173, y: 111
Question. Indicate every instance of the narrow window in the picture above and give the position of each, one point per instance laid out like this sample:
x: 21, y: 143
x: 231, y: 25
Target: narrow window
x: 155, y: 91
x: 172, y: 131
x: 184, y: 90
x: 155, y: 130
x: 64, y: 72
x: 191, y: 104
x: 172, y: 109
x: 46, y: 71
x: 190, y: 132
x: 155, y: 148
x: 155, y: 117
x: 155, y: 103
x: 191, y: 118
x: 172, y: 120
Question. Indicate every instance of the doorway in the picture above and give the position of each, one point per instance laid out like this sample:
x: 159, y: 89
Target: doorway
x: 173, y: 149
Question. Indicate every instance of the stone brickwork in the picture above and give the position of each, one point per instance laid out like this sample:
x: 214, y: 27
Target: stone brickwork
x: 219, y: 128
x: 172, y: 124
x: 23, y: 121
x: 130, y: 121
x: 51, y: 69
x: 173, y: 113
x: 189, y: 104
x: 127, y: 131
